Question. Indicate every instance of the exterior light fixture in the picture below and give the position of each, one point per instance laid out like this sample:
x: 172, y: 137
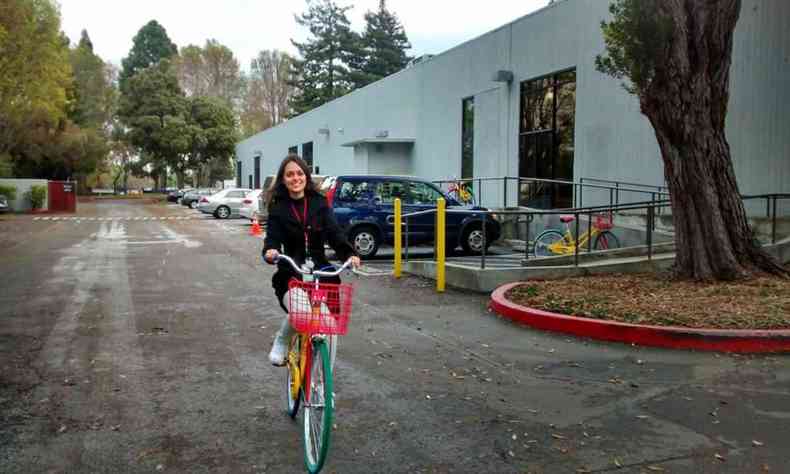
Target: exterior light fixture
x: 323, y: 131
x: 503, y: 76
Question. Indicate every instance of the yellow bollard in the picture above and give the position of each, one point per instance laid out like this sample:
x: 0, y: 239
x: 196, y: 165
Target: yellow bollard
x: 440, y: 244
x: 398, y: 224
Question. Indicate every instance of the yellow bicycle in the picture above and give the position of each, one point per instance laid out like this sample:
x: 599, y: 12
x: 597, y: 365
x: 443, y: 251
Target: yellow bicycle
x: 319, y: 312
x: 555, y: 242
x: 462, y: 192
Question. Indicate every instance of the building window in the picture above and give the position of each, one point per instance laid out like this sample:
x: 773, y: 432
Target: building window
x: 546, y: 134
x: 249, y: 178
x: 257, y: 172
x: 294, y: 150
x: 238, y: 174
x: 307, y: 154
x: 467, y: 137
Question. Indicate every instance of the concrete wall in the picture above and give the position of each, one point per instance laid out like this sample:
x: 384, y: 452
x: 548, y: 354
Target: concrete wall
x: 390, y: 158
x: 22, y: 203
x: 612, y: 139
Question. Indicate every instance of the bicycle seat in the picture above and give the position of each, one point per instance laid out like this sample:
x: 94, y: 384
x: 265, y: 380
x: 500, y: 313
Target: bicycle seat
x: 565, y: 218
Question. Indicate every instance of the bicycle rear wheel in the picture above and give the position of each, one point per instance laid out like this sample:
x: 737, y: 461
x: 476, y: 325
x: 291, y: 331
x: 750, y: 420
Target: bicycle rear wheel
x: 606, y: 240
x: 318, y: 408
x: 544, y: 241
x: 292, y: 389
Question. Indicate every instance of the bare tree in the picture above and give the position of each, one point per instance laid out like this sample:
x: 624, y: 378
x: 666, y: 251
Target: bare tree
x: 211, y: 71
x: 267, y: 92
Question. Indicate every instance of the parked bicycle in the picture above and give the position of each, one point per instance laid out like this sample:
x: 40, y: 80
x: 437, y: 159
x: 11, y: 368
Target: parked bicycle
x: 461, y: 191
x: 319, y: 312
x: 555, y: 242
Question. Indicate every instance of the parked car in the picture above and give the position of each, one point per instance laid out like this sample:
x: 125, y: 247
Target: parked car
x: 249, y: 205
x: 4, y: 204
x: 261, y: 211
x: 223, y: 204
x: 362, y: 205
x: 191, y: 197
x: 176, y: 195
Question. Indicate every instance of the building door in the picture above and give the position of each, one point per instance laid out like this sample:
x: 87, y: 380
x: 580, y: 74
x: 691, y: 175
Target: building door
x: 546, y: 140
x: 257, y: 173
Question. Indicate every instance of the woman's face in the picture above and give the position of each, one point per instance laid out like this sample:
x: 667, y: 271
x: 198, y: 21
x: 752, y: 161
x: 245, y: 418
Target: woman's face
x: 294, y: 179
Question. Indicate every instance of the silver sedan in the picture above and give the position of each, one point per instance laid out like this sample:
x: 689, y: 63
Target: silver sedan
x: 224, y: 204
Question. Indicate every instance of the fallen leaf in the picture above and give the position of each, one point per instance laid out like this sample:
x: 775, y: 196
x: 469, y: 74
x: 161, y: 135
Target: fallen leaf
x: 757, y: 444
x: 655, y: 468
x: 618, y: 463
x: 557, y: 436
x: 720, y: 457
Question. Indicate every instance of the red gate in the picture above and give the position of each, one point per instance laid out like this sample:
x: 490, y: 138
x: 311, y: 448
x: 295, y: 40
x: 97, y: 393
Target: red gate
x: 62, y: 196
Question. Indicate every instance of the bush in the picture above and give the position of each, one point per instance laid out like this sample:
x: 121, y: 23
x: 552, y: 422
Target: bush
x: 37, y: 194
x: 8, y: 191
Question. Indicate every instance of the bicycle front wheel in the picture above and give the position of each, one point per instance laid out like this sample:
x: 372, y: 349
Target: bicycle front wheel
x: 293, y: 379
x: 606, y: 240
x: 543, y: 243
x: 318, y: 408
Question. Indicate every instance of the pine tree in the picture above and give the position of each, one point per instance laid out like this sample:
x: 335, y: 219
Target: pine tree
x: 151, y: 44
x: 383, y: 47
x: 322, y: 73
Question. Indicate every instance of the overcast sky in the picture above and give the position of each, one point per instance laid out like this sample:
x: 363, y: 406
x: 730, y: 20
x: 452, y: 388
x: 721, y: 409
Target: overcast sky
x: 249, y: 26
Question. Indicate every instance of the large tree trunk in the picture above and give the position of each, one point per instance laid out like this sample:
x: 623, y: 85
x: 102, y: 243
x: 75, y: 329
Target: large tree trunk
x: 687, y: 105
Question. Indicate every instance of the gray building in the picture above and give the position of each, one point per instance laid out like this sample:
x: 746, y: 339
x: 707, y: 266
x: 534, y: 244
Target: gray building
x: 490, y: 107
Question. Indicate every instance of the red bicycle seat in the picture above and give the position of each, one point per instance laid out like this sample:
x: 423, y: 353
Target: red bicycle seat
x: 567, y: 218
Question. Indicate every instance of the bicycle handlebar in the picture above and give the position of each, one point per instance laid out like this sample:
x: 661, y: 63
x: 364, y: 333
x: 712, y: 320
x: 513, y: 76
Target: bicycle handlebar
x: 315, y: 272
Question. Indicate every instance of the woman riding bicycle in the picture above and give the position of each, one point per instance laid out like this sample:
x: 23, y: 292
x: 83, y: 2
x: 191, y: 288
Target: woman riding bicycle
x: 300, y: 222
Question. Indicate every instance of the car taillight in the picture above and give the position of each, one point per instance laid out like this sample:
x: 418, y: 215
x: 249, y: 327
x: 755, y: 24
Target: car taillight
x: 330, y: 195
x: 247, y: 201
x: 204, y: 199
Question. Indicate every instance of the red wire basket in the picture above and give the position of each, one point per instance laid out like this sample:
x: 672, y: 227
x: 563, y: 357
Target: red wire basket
x: 322, y: 310
x: 603, y: 221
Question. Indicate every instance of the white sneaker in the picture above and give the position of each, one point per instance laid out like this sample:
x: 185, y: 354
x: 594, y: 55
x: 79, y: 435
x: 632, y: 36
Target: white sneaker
x: 279, y: 348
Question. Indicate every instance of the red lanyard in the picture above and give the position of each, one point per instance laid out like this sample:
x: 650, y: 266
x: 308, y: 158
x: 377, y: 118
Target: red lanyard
x: 303, y: 221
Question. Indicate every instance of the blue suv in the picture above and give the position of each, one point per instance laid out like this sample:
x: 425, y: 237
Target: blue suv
x: 362, y: 205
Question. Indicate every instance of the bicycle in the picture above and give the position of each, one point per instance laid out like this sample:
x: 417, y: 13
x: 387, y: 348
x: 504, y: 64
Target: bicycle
x: 462, y: 192
x: 554, y: 242
x: 319, y: 312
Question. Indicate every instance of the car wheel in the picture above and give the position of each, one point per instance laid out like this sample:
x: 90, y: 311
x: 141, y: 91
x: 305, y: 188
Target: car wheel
x: 193, y: 205
x: 472, y: 239
x: 365, y: 241
x: 222, y: 212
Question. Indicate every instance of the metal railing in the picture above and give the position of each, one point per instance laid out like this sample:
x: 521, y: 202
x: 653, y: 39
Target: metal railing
x: 612, y: 190
x: 770, y: 207
x: 649, y: 207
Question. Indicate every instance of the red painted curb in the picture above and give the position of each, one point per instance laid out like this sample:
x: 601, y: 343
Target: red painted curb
x: 723, y: 340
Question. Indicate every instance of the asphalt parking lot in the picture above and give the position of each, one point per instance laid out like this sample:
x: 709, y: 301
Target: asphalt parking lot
x: 133, y: 338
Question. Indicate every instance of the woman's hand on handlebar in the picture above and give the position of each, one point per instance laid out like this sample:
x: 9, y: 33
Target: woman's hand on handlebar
x: 355, y: 262
x: 271, y: 255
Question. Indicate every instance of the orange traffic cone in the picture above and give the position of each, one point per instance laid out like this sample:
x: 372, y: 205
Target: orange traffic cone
x: 256, y: 228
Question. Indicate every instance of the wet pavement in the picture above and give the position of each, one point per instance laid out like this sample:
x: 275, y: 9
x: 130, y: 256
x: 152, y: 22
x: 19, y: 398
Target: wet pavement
x: 135, y: 338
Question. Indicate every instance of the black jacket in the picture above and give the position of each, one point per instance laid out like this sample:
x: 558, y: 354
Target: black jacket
x: 285, y: 233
